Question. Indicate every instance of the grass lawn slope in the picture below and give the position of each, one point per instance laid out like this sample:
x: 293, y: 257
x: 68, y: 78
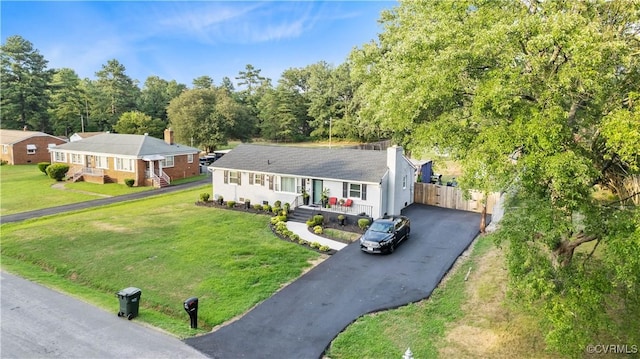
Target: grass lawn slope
x: 168, y: 247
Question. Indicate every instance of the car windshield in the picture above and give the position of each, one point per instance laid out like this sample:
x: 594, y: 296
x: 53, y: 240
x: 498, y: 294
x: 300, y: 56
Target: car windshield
x: 381, y: 227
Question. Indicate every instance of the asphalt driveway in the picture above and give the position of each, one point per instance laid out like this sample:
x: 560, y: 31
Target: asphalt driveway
x: 302, y: 319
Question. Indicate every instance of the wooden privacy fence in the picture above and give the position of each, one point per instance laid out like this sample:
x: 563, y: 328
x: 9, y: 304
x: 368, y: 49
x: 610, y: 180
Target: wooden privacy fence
x: 451, y: 197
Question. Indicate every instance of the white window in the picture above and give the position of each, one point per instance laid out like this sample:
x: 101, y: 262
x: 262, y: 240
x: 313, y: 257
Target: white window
x: 31, y: 149
x: 60, y: 156
x: 190, y: 158
x: 101, y: 162
x: 404, y: 182
x: 5, y: 148
x: 286, y: 184
x: 125, y: 164
x: 234, y: 177
x: 77, y: 159
x: 168, y: 162
x: 256, y: 179
x: 355, y: 190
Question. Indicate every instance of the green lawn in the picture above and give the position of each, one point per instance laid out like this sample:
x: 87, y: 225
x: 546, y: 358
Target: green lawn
x: 167, y: 247
x: 24, y: 188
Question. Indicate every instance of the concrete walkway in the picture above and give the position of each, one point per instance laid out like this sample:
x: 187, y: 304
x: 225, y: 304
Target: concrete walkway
x: 302, y: 230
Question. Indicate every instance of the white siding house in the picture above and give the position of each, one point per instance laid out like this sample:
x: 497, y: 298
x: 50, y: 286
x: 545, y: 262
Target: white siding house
x: 356, y: 181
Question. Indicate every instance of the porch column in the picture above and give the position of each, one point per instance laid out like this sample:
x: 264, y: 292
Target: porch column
x: 151, y: 172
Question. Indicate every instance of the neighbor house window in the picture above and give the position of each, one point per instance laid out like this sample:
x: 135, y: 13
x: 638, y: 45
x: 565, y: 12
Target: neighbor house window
x: 125, y: 164
x: 77, y: 159
x: 286, y: 184
x: 31, y: 149
x: 190, y: 158
x: 60, y: 156
x: 5, y: 148
x: 168, y: 161
x: 101, y: 162
x: 404, y: 182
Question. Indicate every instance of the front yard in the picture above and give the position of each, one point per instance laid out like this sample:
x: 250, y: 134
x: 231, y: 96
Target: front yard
x: 167, y: 247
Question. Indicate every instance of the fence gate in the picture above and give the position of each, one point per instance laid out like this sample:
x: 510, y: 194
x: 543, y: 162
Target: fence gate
x: 451, y: 197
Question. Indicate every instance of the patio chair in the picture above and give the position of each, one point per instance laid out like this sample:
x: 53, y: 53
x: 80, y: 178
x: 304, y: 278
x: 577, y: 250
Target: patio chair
x: 348, y: 202
x: 333, y: 200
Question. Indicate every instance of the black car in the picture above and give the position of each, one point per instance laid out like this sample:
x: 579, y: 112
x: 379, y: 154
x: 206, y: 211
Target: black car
x: 385, y: 234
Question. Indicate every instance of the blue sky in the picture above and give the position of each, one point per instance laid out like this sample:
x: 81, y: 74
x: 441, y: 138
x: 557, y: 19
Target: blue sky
x: 184, y: 40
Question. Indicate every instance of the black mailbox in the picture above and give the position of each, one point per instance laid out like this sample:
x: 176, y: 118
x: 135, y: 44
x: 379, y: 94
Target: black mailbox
x: 191, y: 307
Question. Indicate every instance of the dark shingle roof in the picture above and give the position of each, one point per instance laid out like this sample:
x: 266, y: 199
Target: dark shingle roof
x: 126, y: 145
x: 336, y: 163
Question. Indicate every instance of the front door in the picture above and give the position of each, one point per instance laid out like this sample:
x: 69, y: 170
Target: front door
x: 317, y: 191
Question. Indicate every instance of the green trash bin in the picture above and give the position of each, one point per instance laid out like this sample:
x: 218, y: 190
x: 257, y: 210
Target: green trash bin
x: 129, y: 302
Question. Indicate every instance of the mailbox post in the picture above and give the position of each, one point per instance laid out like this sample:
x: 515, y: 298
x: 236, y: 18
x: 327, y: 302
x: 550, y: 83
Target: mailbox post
x: 191, y: 307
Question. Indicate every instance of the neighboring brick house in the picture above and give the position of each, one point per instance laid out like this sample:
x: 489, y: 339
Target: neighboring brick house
x: 26, y: 147
x: 353, y: 181
x: 112, y: 157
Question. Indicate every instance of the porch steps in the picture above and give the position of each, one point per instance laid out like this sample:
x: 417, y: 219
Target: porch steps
x: 301, y: 214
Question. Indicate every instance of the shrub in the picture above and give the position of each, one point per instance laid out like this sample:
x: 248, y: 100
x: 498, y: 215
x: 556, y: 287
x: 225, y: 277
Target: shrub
x: 314, y: 245
x: 325, y: 248
x: 3, y: 162
x: 311, y: 222
x: 274, y: 220
x: 220, y: 200
x: 275, y: 209
x: 257, y: 207
x: 294, y: 237
x: 317, y: 229
x: 287, y: 206
x: 130, y: 181
x: 363, y: 223
x: 277, y: 204
x: 318, y: 219
x: 42, y: 166
x: 57, y: 171
x: 302, y: 241
x: 204, y: 197
x: 287, y: 233
x: 266, y: 208
x: 282, y: 218
x: 231, y: 204
x: 341, y: 217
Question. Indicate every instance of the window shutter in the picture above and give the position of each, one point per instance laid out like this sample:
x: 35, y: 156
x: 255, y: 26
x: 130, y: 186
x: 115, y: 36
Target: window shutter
x: 250, y: 178
x: 239, y: 178
x: 271, y: 182
x: 345, y: 189
x: 364, y: 191
x: 226, y: 176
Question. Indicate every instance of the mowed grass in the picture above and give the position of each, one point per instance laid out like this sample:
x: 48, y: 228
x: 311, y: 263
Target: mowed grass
x: 24, y: 188
x: 167, y: 247
x: 461, y: 319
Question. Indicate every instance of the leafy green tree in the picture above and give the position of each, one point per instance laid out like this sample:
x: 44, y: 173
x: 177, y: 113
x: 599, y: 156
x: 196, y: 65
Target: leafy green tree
x: 66, y: 105
x: 116, y: 93
x: 138, y: 123
x: 204, y: 118
x: 253, y: 87
x: 155, y: 96
x: 24, y: 78
x: 532, y: 97
x: 203, y: 82
x: 283, y: 115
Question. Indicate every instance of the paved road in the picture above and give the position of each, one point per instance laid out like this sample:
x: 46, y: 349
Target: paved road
x: 40, y: 323
x: 301, y: 320
x: 100, y: 202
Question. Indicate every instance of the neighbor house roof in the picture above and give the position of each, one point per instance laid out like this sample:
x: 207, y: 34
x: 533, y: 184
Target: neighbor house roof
x: 126, y: 145
x: 9, y: 137
x: 336, y: 163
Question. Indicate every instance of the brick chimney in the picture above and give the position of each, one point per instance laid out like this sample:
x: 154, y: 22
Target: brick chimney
x: 168, y: 136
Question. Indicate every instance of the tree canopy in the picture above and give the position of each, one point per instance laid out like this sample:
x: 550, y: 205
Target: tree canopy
x: 536, y: 99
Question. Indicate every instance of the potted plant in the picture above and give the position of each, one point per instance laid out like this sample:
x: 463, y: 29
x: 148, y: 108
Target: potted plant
x: 305, y: 197
x: 324, y: 198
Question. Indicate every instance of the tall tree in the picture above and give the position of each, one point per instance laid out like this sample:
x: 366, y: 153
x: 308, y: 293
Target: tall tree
x: 24, y: 78
x: 532, y: 97
x: 116, y: 94
x: 204, y: 117
x: 67, y: 103
x: 138, y: 123
x: 254, y: 87
x: 156, y: 95
x: 203, y: 82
